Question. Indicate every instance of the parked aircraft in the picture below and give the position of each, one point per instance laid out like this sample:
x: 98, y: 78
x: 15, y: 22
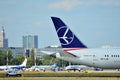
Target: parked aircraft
x: 75, y: 51
x: 43, y: 67
x: 22, y: 66
x: 76, y: 67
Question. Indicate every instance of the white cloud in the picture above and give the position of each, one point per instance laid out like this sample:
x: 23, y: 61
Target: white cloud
x: 103, y: 3
x: 70, y: 4
x: 39, y: 24
x: 65, y: 4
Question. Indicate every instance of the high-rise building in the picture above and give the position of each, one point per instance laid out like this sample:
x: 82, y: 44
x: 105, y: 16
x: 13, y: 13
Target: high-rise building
x: 3, y: 39
x: 30, y: 41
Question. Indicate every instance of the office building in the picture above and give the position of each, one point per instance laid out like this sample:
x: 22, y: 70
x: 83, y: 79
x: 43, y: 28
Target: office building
x: 30, y: 41
x: 3, y: 39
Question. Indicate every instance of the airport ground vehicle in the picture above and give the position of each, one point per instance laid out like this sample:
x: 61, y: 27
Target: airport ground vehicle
x: 13, y: 72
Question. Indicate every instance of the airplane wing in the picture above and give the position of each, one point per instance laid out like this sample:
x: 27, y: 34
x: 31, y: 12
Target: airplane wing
x: 59, y: 54
x: 66, y: 54
x: 48, y: 52
x: 53, y: 54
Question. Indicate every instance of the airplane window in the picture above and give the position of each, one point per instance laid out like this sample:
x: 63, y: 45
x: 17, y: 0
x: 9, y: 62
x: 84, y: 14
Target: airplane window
x: 105, y: 55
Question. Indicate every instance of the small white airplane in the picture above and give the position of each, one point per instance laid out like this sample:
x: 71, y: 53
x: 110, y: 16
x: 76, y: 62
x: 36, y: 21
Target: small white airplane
x: 43, y: 67
x: 76, y: 67
x: 22, y: 66
x: 75, y: 51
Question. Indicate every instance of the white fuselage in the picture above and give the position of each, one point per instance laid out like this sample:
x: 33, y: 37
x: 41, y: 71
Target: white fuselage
x: 101, y: 58
x: 11, y: 67
x: 23, y: 65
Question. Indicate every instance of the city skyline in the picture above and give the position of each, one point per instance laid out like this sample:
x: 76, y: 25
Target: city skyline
x: 95, y: 22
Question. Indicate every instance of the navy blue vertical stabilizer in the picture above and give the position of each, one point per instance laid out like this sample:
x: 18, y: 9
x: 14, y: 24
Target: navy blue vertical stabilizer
x: 66, y: 36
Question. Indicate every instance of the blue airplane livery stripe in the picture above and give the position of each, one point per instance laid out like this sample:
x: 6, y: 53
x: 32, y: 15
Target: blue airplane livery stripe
x: 66, y: 37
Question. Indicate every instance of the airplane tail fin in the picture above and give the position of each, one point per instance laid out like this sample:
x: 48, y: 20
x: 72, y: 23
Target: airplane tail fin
x: 66, y: 37
x: 24, y: 62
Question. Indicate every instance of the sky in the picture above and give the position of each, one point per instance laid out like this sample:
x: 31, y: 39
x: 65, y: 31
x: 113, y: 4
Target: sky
x: 95, y: 22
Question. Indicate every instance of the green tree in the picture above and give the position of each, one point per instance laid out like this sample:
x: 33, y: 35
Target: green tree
x: 32, y: 54
x: 17, y: 60
x: 10, y: 57
x: 29, y: 62
x: 2, y: 57
x: 14, y: 61
x: 46, y: 60
x: 38, y: 61
x: 59, y: 62
x: 20, y: 59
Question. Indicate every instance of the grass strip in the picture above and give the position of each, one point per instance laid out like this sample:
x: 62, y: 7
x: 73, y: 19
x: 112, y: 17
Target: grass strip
x: 59, y: 78
x: 65, y: 74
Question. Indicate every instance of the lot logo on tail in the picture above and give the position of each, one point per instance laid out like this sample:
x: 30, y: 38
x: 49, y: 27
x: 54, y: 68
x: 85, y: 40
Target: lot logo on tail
x: 65, y: 35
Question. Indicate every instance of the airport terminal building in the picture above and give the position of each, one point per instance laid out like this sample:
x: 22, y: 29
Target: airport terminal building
x: 20, y: 51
